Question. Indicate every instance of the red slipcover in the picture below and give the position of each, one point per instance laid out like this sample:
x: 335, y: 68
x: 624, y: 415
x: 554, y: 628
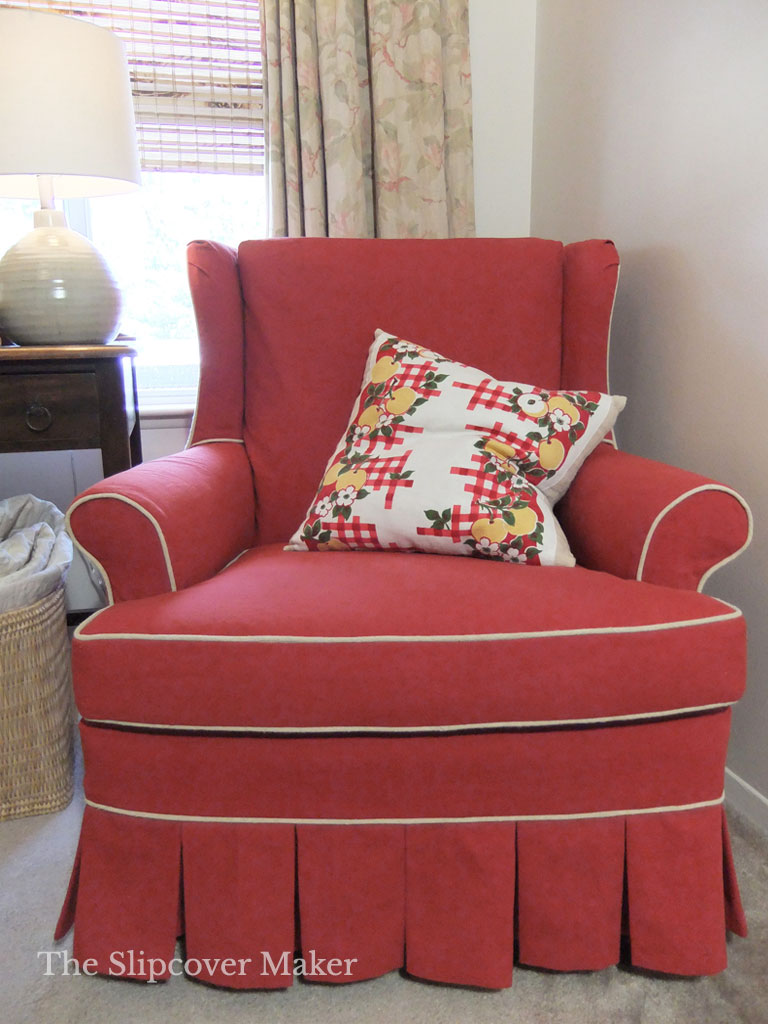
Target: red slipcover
x: 384, y: 864
x: 638, y: 519
x: 303, y: 631
x: 385, y: 760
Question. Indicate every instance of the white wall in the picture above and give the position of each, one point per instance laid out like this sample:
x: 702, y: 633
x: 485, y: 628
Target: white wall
x: 502, y: 36
x: 650, y: 128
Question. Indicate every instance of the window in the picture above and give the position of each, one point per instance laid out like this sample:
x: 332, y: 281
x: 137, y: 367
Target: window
x: 196, y: 76
x: 15, y: 220
x: 143, y: 236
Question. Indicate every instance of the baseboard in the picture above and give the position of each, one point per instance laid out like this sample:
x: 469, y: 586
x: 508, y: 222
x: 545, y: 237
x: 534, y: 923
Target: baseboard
x: 746, y: 800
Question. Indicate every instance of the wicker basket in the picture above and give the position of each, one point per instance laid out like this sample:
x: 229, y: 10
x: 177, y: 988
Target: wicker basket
x: 36, y: 709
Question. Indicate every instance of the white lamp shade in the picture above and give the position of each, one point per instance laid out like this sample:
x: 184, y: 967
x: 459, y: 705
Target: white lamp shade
x: 65, y: 107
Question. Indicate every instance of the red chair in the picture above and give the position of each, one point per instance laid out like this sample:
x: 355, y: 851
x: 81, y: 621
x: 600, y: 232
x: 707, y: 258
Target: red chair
x: 383, y: 759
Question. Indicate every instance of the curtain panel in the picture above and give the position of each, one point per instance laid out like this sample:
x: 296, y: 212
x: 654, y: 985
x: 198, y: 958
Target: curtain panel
x: 369, y: 118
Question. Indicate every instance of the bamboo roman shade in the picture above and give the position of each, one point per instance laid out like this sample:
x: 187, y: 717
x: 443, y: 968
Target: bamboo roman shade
x: 196, y: 75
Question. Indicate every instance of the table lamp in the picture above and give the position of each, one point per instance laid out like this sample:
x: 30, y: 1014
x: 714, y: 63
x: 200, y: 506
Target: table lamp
x: 66, y: 130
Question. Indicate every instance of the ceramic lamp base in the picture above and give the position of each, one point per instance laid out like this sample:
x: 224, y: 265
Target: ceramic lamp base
x: 56, y: 289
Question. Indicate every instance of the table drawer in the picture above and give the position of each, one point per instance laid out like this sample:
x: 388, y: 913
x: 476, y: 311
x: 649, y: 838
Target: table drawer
x: 59, y: 409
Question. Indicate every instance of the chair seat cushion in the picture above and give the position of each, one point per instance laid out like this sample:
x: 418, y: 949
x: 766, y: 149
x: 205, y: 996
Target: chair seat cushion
x: 355, y: 641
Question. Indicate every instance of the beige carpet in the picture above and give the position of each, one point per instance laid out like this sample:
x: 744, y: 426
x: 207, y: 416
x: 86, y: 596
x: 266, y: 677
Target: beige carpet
x: 35, y: 858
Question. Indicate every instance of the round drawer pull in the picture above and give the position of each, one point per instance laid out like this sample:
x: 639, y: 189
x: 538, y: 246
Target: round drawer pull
x: 38, y: 417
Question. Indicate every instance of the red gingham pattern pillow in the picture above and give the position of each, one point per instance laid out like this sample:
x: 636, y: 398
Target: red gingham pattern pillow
x: 440, y: 457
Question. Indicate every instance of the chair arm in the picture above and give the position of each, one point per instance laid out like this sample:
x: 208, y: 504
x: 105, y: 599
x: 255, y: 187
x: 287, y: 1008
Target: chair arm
x: 644, y: 520
x: 169, y: 523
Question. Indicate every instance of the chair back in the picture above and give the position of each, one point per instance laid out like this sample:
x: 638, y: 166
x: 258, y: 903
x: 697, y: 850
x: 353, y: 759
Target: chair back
x: 285, y: 326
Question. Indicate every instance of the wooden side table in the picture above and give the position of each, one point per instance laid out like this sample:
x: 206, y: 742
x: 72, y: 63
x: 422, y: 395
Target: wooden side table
x: 61, y: 397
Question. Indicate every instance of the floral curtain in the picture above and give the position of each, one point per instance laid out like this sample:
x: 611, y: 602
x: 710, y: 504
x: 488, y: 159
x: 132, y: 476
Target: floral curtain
x: 369, y: 118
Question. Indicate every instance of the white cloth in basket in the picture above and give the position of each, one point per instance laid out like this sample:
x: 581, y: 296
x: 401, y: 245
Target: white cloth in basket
x: 35, y: 551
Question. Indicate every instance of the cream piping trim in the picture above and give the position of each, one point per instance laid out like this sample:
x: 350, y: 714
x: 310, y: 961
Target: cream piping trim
x: 415, y: 638
x: 677, y: 501
x: 193, y: 424
x: 217, y: 440
x: 612, y: 439
x: 321, y: 730
x: 236, y: 558
x: 407, y: 821
x: 145, y: 513
x: 91, y: 558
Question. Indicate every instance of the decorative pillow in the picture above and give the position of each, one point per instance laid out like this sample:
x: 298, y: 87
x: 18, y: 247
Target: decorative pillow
x: 441, y: 457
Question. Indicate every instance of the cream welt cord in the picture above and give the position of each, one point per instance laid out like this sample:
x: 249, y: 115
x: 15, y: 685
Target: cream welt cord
x: 369, y: 119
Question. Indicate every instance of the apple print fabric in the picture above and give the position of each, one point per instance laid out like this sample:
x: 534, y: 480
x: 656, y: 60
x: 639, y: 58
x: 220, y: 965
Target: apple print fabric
x: 441, y: 457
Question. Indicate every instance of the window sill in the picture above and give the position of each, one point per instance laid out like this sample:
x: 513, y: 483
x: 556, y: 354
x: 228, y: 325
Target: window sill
x: 157, y: 418
x: 150, y: 413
